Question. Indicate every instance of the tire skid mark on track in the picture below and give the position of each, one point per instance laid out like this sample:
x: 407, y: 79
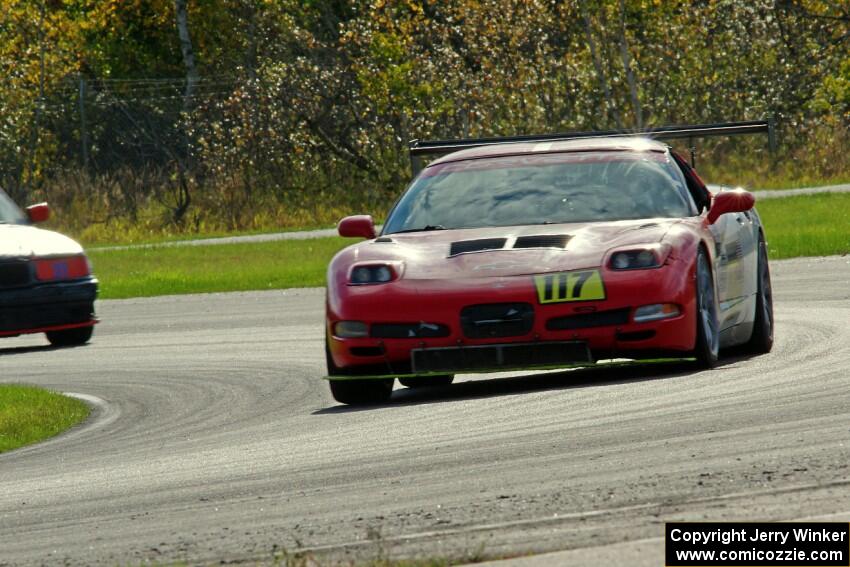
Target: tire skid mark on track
x: 228, y: 443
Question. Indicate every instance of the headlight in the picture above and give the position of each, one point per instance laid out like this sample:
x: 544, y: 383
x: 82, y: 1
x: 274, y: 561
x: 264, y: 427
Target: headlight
x: 652, y: 256
x: 373, y: 274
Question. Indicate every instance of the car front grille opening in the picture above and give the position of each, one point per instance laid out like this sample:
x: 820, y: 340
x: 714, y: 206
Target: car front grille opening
x: 494, y: 357
x: 635, y: 335
x: 589, y: 320
x: 543, y: 241
x: 466, y: 246
x: 496, y: 320
x: 367, y: 351
x: 408, y: 330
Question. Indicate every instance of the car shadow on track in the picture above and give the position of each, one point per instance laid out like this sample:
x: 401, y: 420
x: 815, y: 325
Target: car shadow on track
x: 596, y: 376
x: 27, y: 349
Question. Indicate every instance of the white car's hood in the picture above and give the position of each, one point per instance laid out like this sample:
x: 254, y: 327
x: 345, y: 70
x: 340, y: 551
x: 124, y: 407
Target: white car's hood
x: 27, y: 241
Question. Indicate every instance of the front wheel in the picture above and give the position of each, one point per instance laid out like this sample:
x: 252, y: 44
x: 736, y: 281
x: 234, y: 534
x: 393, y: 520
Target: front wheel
x: 70, y: 337
x: 353, y: 391
x: 707, y: 347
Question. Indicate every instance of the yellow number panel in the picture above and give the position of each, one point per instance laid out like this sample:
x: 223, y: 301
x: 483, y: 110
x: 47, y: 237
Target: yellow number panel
x: 582, y: 285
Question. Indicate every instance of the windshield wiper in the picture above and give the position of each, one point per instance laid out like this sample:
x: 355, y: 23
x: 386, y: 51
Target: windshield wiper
x: 424, y: 228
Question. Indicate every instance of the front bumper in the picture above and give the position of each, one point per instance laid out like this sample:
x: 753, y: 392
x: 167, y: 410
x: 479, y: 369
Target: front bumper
x: 47, y: 307
x: 587, y: 330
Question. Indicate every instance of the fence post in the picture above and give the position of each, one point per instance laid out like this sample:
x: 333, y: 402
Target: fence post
x: 84, y: 138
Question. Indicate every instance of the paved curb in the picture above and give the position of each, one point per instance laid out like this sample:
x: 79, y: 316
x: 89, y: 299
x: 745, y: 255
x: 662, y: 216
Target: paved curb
x: 781, y: 193
x: 295, y: 235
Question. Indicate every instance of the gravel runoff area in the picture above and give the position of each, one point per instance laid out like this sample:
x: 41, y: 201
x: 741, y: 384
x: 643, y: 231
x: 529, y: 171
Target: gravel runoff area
x: 326, y: 232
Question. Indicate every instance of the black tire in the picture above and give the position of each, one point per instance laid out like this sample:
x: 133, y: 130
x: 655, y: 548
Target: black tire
x: 70, y: 337
x: 707, y: 347
x: 351, y: 391
x: 761, y: 341
x: 428, y: 381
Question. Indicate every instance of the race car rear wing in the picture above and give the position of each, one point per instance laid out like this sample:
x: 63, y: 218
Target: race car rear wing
x: 435, y: 148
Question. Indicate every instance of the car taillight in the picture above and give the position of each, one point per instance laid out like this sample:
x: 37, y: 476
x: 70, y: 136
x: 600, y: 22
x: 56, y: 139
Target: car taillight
x: 55, y: 269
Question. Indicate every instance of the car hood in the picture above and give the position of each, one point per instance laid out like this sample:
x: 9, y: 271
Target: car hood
x: 27, y: 241
x: 429, y: 255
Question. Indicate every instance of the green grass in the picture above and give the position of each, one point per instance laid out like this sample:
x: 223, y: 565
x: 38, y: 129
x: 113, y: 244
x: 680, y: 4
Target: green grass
x: 810, y: 225
x: 124, y: 235
x: 226, y: 267
x: 757, y: 179
x: 807, y: 225
x: 152, y: 224
x: 29, y: 415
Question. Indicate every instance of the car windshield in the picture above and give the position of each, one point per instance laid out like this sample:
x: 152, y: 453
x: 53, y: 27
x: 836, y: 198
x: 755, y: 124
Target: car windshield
x: 9, y: 211
x: 542, y: 189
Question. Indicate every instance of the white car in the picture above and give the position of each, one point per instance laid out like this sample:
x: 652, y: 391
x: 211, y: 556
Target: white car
x: 46, y: 285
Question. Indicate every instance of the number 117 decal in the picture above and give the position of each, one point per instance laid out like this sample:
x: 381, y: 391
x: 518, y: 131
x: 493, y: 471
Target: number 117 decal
x: 582, y: 285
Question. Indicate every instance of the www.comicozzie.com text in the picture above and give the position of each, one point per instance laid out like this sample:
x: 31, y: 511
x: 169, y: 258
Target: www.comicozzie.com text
x: 727, y: 536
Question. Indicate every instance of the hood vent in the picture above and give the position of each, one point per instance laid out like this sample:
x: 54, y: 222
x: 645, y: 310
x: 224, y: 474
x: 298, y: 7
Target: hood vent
x: 543, y: 241
x: 465, y: 246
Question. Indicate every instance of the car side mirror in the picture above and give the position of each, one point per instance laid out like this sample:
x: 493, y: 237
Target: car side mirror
x: 735, y: 201
x: 38, y: 213
x: 357, y: 226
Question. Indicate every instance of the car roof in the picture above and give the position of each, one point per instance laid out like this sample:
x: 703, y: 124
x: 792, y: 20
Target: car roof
x: 610, y: 144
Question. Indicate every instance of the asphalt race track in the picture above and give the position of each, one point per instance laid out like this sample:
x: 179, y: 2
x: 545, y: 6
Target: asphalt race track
x: 214, y: 438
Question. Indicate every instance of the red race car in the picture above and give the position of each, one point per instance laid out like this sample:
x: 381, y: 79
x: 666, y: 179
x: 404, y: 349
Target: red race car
x: 46, y: 284
x: 545, y: 253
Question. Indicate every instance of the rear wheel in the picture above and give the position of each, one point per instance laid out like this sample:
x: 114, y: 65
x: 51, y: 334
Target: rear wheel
x: 353, y: 391
x: 70, y: 337
x: 761, y: 341
x: 427, y: 381
x: 707, y: 347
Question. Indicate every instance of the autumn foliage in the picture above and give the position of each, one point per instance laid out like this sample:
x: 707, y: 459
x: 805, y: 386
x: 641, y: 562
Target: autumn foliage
x: 303, y: 110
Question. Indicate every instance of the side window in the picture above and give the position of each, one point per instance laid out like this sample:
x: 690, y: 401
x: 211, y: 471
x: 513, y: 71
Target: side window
x: 697, y: 188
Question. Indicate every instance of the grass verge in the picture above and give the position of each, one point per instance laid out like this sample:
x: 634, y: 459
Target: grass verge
x: 809, y: 225
x: 225, y: 267
x: 29, y: 415
x: 127, y: 235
